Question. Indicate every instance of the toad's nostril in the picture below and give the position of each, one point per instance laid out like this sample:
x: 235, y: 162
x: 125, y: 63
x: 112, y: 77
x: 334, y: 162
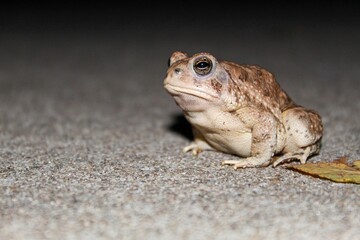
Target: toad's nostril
x: 177, y: 70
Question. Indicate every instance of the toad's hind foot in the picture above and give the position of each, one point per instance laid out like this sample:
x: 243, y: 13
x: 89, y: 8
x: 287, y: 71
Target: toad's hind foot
x: 302, y: 155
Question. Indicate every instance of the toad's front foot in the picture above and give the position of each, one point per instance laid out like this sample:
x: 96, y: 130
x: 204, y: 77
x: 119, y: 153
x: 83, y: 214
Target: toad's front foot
x: 194, y: 148
x: 247, y: 162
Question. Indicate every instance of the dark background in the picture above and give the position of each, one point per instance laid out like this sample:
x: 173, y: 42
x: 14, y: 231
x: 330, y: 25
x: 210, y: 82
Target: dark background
x: 152, y: 31
x: 199, y: 15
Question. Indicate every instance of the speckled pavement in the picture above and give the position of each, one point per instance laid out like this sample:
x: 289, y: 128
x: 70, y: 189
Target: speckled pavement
x: 90, y: 142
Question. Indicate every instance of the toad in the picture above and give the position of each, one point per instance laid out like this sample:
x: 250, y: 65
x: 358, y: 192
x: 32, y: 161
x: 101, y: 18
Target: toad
x: 241, y: 110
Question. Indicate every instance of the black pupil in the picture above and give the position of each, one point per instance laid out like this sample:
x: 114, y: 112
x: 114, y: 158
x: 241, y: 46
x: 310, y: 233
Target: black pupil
x: 203, y: 64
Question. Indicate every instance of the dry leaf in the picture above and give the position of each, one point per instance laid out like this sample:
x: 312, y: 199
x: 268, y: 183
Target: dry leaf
x: 357, y: 164
x: 338, y: 171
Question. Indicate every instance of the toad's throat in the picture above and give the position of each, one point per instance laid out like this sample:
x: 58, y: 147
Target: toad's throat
x: 176, y: 90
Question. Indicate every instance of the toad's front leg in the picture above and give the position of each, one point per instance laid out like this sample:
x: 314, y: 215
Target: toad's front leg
x: 263, y: 145
x: 198, y: 145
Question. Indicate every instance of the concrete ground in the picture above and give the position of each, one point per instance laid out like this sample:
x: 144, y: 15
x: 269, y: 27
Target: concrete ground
x: 90, y: 142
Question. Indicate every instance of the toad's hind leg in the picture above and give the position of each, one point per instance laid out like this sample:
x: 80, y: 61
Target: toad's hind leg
x: 303, y: 134
x: 302, y: 154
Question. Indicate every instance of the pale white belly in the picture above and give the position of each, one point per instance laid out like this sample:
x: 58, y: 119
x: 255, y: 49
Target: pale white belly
x: 223, y: 131
x: 233, y: 142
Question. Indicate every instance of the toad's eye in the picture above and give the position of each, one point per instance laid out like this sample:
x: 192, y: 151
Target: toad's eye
x: 202, y: 66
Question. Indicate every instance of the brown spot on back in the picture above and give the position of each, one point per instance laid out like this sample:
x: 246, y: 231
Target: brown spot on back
x: 266, y: 93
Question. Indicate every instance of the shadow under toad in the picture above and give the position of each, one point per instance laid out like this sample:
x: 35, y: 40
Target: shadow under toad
x: 181, y: 126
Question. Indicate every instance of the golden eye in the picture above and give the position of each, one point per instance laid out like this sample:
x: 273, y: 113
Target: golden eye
x: 202, y: 65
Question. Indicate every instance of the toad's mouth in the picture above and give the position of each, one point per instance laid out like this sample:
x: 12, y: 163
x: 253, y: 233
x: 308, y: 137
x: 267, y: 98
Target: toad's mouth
x: 177, y: 90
